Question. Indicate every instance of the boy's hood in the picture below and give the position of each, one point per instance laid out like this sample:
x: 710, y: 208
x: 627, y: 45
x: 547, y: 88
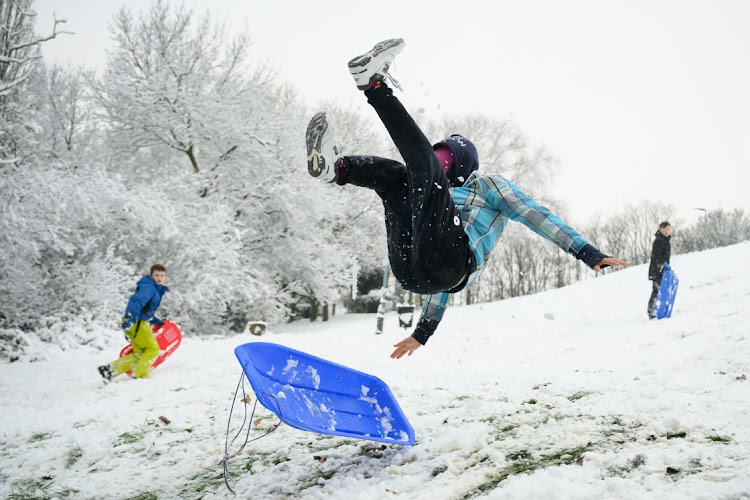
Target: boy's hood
x: 148, y: 280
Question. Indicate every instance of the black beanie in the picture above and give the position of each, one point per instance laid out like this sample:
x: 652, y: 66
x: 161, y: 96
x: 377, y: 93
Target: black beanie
x: 465, y: 158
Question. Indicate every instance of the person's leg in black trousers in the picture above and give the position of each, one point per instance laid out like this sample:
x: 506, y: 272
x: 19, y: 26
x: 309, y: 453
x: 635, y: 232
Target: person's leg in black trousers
x: 652, y: 300
x: 428, y: 249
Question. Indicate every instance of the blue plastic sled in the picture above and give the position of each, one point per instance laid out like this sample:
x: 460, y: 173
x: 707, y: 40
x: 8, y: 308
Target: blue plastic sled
x: 317, y: 395
x: 667, y: 292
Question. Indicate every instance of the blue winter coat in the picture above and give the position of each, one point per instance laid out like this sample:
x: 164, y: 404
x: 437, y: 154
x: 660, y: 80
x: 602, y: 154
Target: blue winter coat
x: 143, y: 304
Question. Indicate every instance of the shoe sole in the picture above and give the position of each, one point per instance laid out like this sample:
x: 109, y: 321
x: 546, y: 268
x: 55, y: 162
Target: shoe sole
x: 316, y: 163
x: 106, y: 378
x: 364, y: 59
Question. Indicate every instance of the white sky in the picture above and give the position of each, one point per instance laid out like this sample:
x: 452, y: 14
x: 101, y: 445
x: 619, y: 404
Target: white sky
x: 638, y: 100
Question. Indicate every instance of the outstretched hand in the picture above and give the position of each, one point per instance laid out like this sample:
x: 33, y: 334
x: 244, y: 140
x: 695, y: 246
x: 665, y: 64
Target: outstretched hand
x: 406, y: 346
x: 610, y: 261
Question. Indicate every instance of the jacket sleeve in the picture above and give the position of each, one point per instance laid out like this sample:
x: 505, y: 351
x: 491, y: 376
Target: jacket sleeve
x: 506, y: 198
x: 137, y: 302
x: 432, y: 312
x: 658, y: 257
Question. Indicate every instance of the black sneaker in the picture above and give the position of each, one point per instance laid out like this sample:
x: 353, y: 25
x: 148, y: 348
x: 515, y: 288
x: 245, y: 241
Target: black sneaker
x: 106, y: 372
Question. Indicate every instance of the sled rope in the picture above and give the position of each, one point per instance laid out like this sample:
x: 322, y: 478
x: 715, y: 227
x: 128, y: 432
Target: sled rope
x: 227, y: 444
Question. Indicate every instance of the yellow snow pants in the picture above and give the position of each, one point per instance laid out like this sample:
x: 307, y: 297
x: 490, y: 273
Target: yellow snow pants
x: 145, y: 352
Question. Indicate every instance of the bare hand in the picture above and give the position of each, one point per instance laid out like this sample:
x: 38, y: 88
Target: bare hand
x: 610, y: 261
x: 406, y: 346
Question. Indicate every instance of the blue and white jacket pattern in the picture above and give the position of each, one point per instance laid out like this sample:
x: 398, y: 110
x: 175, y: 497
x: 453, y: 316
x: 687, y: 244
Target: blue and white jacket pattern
x: 486, y: 203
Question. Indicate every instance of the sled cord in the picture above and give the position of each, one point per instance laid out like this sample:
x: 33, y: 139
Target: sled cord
x: 227, y: 444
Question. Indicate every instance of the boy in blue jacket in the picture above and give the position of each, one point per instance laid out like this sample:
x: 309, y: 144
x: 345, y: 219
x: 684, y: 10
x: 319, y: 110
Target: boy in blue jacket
x: 139, y: 316
x: 442, y: 218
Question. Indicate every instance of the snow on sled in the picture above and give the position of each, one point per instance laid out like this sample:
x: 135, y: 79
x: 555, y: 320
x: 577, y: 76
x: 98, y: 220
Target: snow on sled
x: 666, y: 295
x: 168, y: 336
x: 313, y: 394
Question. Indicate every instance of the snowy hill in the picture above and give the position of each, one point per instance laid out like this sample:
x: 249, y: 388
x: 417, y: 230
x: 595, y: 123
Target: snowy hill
x: 595, y: 403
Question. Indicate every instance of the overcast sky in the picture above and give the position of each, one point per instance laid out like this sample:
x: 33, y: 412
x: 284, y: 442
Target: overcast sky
x: 643, y: 99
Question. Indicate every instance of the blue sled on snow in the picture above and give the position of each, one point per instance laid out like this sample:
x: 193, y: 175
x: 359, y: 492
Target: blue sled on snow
x: 313, y: 394
x: 667, y: 292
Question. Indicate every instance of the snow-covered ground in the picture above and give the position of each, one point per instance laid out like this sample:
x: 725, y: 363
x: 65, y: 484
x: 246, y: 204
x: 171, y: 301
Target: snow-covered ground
x: 595, y: 403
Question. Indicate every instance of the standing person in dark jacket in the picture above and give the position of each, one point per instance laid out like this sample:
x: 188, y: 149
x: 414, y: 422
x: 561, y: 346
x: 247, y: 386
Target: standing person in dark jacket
x: 140, y: 314
x: 660, y: 253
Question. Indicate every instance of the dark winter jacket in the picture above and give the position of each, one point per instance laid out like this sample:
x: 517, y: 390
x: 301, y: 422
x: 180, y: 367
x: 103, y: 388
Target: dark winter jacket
x: 143, y: 304
x: 660, y: 253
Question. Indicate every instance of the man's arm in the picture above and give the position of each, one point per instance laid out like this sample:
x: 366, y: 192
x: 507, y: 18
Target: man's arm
x: 508, y: 199
x: 432, y: 312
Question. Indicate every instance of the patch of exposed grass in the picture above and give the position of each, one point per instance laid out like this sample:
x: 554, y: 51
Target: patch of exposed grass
x: 524, y: 463
x: 502, y: 433
x: 144, y: 495
x: 326, y: 475
x: 565, y: 456
x: 74, y: 454
x: 578, y: 395
x: 611, y: 432
x: 620, y: 471
x: 462, y: 398
x: 249, y: 464
x: 207, y: 479
x: 130, y: 437
x: 501, y: 476
x: 313, y: 480
x: 438, y: 470
x: 519, y: 455
x: 529, y: 402
x: 33, y: 489
x: 39, y: 436
x: 673, y: 435
x: 489, y: 419
x: 720, y: 439
x: 636, y: 462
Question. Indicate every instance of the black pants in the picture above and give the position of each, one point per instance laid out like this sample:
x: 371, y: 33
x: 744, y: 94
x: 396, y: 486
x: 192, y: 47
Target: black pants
x: 656, y: 282
x: 427, y: 246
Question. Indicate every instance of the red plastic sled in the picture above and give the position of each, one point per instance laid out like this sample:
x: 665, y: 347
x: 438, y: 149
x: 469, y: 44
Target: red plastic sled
x: 168, y: 336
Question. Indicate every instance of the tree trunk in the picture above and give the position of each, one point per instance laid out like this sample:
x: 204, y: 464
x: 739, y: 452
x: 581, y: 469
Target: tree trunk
x: 314, y: 309
x: 193, y: 161
x: 325, y: 311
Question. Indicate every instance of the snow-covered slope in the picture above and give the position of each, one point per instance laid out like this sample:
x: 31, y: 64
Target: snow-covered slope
x: 595, y: 403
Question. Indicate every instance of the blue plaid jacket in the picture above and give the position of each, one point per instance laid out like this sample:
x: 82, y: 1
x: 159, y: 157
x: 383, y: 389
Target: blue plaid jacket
x: 486, y: 203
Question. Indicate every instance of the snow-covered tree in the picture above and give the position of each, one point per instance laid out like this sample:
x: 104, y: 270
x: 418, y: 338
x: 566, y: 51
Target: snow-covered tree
x: 715, y: 228
x: 176, y: 78
x: 19, y: 55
